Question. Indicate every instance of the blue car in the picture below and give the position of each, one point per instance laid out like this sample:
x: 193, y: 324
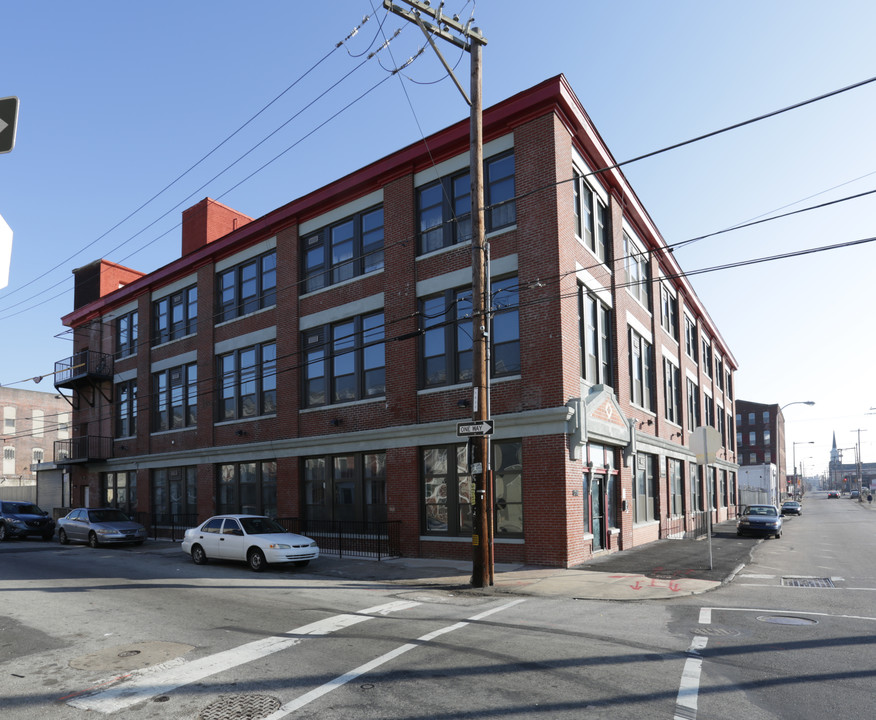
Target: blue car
x: 24, y: 519
x: 760, y: 520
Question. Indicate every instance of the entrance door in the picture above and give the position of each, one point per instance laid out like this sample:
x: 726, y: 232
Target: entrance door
x: 597, y: 511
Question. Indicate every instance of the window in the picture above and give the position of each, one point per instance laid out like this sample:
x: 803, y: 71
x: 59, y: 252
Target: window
x: 248, y: 488
x: 752, y: 459
x: 767, y: 457
x: 175, y: 398
x: 638, y: 272
x: 729, y: 388
x: 752, y: 438
x: 751, y: 418
x: 126, y: 334
x: 247, y: 287
x: 720, y: 427
x: 175, y: 316
x: 448, y: 490
x: 707, y: 357
x: 645, y: 489
x: 345, y: 362
x: 767, y: 436
x: 668, y: 311
x: 730, y: 429
x: 693, y: 404
x: 690, y: 338
x: 738, y: 438
x: 175, y: 495
x: 696, y: 496
x: 594, y: 320
x: 709, y: 406
x: 672, y: 392
x: 8, y: 420
x: 8, y: 460
x: 346, y: 487
x: 119, y: 490
x: 676, y: 487
x: 591, y: 217
x: 343, y: 251
x: 249, y: 382
x: 444, y: 207
x: 126, y: 408
x: 719, y: 371
x: 766, y: 416
x: 447, y: 340
x: 38, y: 455
x: 641, y: 369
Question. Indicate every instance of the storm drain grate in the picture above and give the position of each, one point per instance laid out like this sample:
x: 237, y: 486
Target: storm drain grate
x: 808, y: 582
x: 240, y: 707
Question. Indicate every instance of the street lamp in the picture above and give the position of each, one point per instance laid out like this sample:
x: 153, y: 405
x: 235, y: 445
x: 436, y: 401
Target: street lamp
x: 794, y: 453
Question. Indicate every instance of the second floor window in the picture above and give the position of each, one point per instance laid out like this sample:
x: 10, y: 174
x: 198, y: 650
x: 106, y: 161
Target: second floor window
x: 690, y: 338
x: 345, y: 362
x: 668, y: 311
x: 447, y: 342
x: 672, y: 392
x: 693, y: 404
x: 344, y: 250
x: 126, y: 334
x: 126, y: 408
x: 595, y: 331
x: 175, y: 316
x: 175, y: 398
x: 247, y: 287
x: 641, y: 371
x: 249, y: 382
x: 638, y: 272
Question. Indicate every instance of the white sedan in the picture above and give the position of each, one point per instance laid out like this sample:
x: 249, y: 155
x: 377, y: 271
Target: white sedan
x: 257, y: 540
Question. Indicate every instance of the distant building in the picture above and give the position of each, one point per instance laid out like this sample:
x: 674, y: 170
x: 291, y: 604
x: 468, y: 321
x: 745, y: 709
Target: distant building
x: 32, y: 422
x: 314, y: 363
x: 760, y: 435
x: 846, y: 476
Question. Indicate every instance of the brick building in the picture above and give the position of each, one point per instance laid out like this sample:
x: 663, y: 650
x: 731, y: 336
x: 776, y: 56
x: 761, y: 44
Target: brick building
x: 760, y: 435
x: 32, y: 422
x: 315, y: 362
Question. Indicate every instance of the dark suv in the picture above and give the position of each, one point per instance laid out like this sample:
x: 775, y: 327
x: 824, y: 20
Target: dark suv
x: 21, y: 519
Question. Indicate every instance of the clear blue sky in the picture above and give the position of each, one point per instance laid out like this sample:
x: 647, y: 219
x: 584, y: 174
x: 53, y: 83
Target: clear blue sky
x: 120, y: 99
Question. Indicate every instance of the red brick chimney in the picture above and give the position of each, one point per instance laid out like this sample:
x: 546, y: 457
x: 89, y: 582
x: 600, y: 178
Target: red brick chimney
x: 208, y: 221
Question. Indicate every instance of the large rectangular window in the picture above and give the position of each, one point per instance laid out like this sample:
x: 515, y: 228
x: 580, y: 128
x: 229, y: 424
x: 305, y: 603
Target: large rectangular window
x: 126, y: 334
x: 638, y: 272
x: 672, y: 392
x: 119, y: 490
x: 175, y: 316
x: 641, y: 371
x: 676, y: 487
x: 668, y: 310
x: 175, y: 495
x: 126, y: 408
x: 594, y: 319
x: 248, y: 382
x: 247, y: 287
x: 645, y: 489
x: 342, y: 251
x: 345, y: 362
x: 175, y: 398
x: 691, y: 345
x: 591, y: 217
x: 448, y: 332
x: 693, y: 405
x: 346, y: 487
x: 444, y: 207
x: 448, y: 490
x: 247, y: 487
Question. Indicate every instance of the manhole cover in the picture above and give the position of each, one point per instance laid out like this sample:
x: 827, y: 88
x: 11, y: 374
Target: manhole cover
x: 240, y: 707
x: 808, y: 582
x: 787, y: 620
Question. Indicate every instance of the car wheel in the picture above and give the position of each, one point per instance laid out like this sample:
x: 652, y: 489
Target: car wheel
x: 199, y: 557
x: 2, y: 532
x: 256, y: 560
x: 62, y: 537
x: 302, y: 563
x: 778, y: 534
x: 92, y: 539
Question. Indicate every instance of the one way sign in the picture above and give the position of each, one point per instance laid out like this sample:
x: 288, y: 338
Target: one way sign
x: 8, y: 123
x: 481, y: 427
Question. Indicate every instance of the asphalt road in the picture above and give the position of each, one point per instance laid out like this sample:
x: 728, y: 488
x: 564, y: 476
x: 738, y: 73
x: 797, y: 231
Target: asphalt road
x: 132, y: 634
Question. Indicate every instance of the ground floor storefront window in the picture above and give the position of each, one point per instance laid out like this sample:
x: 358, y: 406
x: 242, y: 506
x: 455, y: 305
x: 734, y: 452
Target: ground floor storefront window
x: 447, y: 489
x: 119, y: 490
x: 645, y: 496
x: 174, y: 493
x: 345, y: 487
x: 247, y: 487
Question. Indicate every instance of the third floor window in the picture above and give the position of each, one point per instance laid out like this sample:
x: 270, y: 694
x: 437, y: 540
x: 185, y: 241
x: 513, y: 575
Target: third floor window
x: 247, y: 287
x: 175, y: 316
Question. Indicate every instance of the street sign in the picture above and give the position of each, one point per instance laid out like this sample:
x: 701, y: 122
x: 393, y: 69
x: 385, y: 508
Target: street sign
x: 8, y: 123
x: 481, y: 427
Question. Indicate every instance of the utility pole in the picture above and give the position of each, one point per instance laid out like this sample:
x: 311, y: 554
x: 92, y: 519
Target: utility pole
x: 472, y: 42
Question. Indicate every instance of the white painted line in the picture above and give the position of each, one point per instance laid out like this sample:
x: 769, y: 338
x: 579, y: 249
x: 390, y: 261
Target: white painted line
x: 689, y: 688
x: 141, y: 688
x: 705, y: 616
x: 341, y: 680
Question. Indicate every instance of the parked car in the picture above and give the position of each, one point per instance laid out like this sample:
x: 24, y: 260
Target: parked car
x: 760, y: 520
x: 792, y: 507
x: 23, y: 519
x: 832, y: 494
x: 99, y: 526
x: 854, y: 495
x: 254, y: 539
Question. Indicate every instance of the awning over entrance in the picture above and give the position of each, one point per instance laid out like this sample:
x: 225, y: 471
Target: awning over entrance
x: 596, y: 418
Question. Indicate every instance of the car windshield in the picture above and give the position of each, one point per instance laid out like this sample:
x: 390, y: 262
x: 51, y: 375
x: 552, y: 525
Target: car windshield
x: 261, y: 526
x: 22, y: 509
x: 761, y: 510
x: 111, y: 515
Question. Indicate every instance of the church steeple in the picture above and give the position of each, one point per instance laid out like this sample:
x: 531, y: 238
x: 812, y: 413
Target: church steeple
x: 834, y: 455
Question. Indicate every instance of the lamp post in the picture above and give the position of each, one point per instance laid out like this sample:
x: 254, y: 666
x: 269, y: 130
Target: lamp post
x: 794, y: 452
x: 793, y: 448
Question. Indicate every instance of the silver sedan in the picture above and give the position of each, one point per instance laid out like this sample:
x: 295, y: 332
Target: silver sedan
x: 99, y: 526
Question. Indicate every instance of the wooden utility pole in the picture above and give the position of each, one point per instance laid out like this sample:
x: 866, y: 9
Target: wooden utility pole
x: 482, y: 508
